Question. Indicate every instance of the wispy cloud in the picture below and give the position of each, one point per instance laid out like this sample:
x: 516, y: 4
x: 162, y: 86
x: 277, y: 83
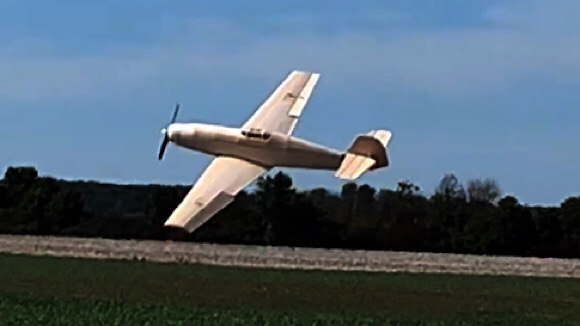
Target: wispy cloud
x: 50, y: 78
x: 537, y: 16
x: 444, y: 63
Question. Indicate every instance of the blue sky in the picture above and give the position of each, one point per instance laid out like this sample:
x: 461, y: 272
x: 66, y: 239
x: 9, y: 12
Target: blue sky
x: 478, y: 88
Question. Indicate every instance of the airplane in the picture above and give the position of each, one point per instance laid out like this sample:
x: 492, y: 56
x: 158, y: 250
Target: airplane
x: 264, y: 141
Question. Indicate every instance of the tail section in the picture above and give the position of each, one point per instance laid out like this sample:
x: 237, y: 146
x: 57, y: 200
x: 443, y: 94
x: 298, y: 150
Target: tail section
x: 367, y: 152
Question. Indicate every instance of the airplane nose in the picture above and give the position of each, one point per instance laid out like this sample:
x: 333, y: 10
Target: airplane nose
x: 174, y: 131
x: 171, y: 132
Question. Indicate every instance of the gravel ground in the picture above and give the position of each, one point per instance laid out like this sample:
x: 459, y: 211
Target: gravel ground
x: 294, y: 258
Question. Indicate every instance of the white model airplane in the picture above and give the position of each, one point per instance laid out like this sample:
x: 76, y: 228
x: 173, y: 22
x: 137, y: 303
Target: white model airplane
x: 265, y: 141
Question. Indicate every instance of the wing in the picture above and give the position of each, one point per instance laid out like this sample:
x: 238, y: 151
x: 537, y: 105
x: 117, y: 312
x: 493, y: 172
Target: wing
x: 282, y: 110
x: 215, y: 189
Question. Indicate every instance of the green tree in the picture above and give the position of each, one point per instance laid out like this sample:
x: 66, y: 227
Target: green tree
x: 483, y: 190
x: 274, y: 199
x: 548, y: 228
x: 162, y: 200
x: 447, y: 216
x: 18, y: 181
x: 515, y: 230
x: 348, y: 198
x: 363, y: 217
x: 570, y: 217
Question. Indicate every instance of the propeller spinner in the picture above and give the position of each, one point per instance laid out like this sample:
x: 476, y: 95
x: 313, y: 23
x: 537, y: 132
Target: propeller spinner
x: 164, y: 133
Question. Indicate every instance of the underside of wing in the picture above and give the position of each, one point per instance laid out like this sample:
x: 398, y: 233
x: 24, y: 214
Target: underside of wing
x: 282, y: 110
x: 215, y: 189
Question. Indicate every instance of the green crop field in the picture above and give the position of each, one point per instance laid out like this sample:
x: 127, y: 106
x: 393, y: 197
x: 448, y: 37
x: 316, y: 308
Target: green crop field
x: 59, y: 291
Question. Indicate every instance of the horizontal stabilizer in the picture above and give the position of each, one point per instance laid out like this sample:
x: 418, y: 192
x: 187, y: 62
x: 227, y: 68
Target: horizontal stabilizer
x: 368, y: 152
x: 353, y: 166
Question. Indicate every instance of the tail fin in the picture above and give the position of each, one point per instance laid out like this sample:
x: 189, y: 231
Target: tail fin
x: 367, y: 152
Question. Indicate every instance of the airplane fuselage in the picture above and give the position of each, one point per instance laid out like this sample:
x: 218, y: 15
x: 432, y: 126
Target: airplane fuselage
x: 267, y: 149
x: 243, y: 154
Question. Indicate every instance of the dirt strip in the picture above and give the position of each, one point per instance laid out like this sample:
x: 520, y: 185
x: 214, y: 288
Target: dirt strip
x: 292, y: 258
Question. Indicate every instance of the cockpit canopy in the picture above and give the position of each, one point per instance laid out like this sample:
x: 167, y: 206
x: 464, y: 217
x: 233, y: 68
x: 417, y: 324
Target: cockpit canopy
x: 256, y: 133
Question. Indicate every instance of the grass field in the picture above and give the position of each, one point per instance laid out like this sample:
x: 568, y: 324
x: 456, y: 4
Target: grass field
x: 66, y: 291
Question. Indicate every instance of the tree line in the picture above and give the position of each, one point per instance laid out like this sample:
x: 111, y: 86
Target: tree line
x: 458, y: 217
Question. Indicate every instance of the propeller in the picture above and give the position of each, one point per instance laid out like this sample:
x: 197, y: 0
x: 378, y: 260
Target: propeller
x: 164, y: 133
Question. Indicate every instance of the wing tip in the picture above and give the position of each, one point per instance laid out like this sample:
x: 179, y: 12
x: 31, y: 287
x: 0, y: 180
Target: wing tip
x: 305, y: 72
x: 174, y: 226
